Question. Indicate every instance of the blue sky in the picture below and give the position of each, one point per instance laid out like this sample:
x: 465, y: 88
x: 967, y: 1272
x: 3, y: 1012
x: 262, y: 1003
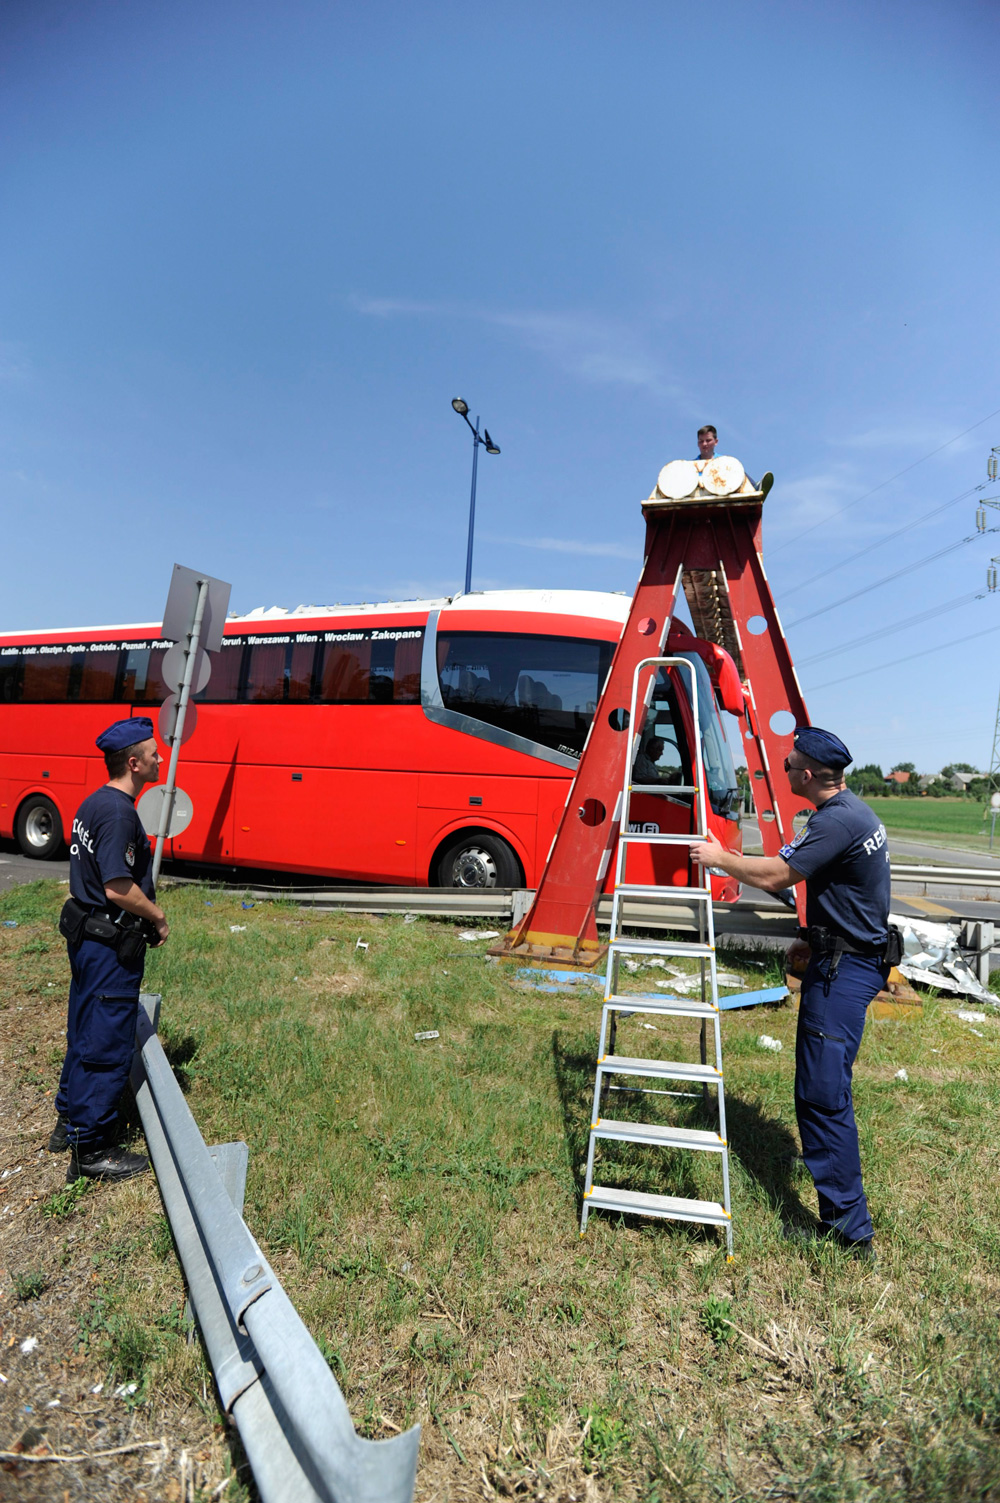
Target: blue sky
x: 250, y: 252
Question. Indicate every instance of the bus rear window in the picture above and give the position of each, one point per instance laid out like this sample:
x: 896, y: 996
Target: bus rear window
x: 542, y: 688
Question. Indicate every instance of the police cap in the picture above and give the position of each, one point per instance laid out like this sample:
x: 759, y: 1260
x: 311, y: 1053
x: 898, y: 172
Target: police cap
x: 823, y: 746
x: 125, y: 733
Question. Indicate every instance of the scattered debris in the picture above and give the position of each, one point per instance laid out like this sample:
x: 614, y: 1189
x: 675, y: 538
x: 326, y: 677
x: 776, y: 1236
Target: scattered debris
x: 765, y: 1041
x: 900, y: 1075
x: 362, y: 945
x: 410, y: 918
x: 237, y: 928
x: 970, y: 1017
x: 728, y: 978
x: 428, y: 1033
x: 631, y: 965
x: 470, y: 934
x: 932, y: 957
x: 10, y: 923
x: 8, y: 1172
x: 125, y: 1390
x: 652, y: 1027
x: 97, y: 1388
x: 29, y: 1344
x: 248, y: 905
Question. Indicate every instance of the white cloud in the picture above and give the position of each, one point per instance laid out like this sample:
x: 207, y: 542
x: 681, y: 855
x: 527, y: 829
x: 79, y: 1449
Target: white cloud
x: 600, y: 350
x: 571, y: 545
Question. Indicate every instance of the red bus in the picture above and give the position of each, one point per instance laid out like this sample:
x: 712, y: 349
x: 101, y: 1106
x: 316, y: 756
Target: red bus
x: 418, y: 743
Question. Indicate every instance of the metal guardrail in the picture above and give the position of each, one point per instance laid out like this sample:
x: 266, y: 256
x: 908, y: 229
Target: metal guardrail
x: 948, y: 876
x: 272, y: 1379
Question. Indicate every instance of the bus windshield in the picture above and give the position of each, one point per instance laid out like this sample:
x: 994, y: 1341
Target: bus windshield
x: 542, y: 688
x: 720, y: 774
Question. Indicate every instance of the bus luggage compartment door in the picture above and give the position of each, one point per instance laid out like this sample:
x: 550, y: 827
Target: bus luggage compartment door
x: 345, y: 822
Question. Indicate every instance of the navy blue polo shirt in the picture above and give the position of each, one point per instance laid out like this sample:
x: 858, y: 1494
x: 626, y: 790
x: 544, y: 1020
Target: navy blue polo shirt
x: 108, y: 842
x: 844, y: 856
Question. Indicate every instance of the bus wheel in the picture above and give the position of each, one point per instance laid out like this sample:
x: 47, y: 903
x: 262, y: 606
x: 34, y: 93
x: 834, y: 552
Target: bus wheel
x: 478, y: 860
x: 38, y: 828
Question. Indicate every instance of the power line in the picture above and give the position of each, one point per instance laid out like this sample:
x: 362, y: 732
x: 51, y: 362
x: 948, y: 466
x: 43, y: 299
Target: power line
x: 907, y: 569
x: 887, y: 631
x: 925, y: 652
x: 853, y: 557
x: 883, y: 483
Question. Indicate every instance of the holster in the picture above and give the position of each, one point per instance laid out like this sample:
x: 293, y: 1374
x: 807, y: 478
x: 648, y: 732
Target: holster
x: 71, y: 921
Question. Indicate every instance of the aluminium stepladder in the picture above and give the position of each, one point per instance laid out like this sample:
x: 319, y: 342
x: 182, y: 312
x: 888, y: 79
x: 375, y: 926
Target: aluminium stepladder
x: 617, y: 1005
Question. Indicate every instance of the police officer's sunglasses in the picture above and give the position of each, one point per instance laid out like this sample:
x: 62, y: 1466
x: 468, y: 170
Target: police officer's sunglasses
x: 790, y: 768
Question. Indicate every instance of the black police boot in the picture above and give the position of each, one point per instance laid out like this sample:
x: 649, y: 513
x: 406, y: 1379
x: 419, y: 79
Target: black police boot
x: 59, y: 1142
x: 105, y: 1163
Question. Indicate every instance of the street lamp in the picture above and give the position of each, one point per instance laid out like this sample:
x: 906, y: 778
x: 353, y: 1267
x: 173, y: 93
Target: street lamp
x: 462, y: 408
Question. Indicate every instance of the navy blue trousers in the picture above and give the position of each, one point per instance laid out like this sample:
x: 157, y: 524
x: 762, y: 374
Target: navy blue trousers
x: 100, y: 1039
x: 831, y: 1022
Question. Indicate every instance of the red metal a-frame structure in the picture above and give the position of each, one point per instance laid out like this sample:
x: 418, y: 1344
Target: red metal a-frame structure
x: 711, y: 545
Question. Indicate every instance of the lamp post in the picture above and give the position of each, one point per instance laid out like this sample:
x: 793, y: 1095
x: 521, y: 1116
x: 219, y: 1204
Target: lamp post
x: 462, y: 408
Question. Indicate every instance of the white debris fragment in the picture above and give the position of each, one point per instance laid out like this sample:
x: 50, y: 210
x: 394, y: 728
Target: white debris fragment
x: 97, y: 1388
x: 767, y: 1042
x: 125, y: 1390
x: 931, y: 957
x: 52, y: 1404
x: 409, y: 918
x: 8, y: 1172
x: 631, y: 965
x: 237, y: 928
x: 29, y: 1344
x: 652, y: 1027
x: 968, y: 1016
x: 901, y: 1075
x: 362, y: 945
x: 428, y: 1033
x: 978, y: 1032
x: 471, y: 934
x: 728, y: 978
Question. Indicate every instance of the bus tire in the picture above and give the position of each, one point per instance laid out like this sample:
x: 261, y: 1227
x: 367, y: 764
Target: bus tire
x: 476, y: 859
x: 38, y: 828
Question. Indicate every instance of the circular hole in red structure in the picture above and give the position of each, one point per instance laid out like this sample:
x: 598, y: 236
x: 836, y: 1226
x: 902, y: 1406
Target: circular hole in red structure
x: 592, y: 812
x: 618, y: 720
x: 647, y: 626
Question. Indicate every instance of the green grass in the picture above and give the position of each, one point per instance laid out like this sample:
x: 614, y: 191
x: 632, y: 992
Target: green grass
x: 937, y: 817
x: 420, y: 1202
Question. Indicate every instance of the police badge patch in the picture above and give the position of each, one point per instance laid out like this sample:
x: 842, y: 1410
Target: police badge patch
x: 130, y: 853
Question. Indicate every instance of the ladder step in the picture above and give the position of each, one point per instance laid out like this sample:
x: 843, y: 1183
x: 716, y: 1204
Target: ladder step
x: 661, y: 1069
x: 659, y: 947
x: 665, y: 894
x: 660, y: 1137
x: 675, y: 1007
x: 660, y: 839
x: 674, y: 1207
x: 661, y: 788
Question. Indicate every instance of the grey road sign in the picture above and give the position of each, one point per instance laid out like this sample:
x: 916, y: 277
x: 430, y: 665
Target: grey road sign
x: 150, y: 808
x: 174, y: 660
x: 182, y: 602
x: 167, y: 721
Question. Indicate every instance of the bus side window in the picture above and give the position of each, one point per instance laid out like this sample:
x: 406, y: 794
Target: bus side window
x: 383, y: 657
x: 97, y: 678
x: 406, y: 672
x: 265, y: 677
x: 46, y: 678
x: 346, y: 673
x: 10, y: 677
x: 223, y: 688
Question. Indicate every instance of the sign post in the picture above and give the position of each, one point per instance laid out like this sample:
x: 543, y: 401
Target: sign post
x: 195, y: 616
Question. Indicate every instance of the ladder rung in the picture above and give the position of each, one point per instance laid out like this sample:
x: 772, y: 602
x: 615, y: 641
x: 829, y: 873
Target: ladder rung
x: 665, y: 894
x: 660, y: 788
x: 661, y: 1069
x: 660, y: 1137
x: 677, y: 1007
x: 659, y: 947
x: 661, y: 839
x: 672, y: 1206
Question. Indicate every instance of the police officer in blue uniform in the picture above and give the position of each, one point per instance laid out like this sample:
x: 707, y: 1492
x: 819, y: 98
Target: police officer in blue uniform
x: 108, y: 920
x: 843, y: 858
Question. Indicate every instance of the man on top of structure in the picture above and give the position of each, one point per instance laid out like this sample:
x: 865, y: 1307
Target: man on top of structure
x: 708, y: 440
x: 843, y: 858
x: 108, y: 920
